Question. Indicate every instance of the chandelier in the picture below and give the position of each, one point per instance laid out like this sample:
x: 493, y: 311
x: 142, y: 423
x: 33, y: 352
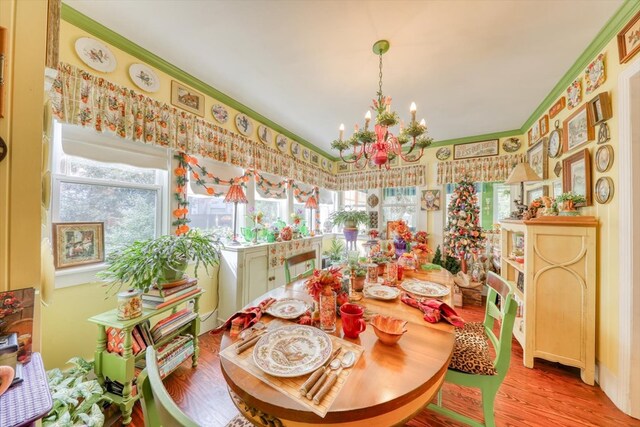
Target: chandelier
x: 380, y: 146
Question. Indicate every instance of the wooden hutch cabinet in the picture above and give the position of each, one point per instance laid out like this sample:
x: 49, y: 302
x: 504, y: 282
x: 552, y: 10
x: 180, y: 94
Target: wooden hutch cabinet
x: 551, y: 261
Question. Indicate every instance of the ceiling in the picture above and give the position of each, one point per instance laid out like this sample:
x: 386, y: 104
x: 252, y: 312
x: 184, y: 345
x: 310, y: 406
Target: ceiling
x: 472, y: 66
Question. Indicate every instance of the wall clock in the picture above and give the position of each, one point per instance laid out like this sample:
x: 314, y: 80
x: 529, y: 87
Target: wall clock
x: 555, y: 141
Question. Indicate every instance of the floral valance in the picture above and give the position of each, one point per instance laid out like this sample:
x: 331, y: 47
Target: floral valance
x: 80, y: 98
x: 406, y: 176
x: 485, y: 169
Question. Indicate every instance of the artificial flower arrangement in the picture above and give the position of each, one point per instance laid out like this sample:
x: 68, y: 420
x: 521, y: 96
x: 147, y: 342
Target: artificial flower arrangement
x: 296, y: 217
x: 322, y: 279
x: 256, y: 217
x: 421, y: 250
x: 402, y: 231
x: 421, y: 237
x: 373, y: 234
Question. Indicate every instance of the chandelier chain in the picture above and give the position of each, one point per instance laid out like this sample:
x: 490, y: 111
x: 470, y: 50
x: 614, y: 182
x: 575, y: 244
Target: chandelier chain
x: 380, y: 78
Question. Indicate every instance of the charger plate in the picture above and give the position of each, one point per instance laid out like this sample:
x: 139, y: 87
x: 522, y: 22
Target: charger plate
x: 292, y: 351
x: 425, y: 289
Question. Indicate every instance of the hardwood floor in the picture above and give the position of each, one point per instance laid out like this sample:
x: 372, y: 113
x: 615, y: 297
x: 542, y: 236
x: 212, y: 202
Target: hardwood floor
x: 549, y: 395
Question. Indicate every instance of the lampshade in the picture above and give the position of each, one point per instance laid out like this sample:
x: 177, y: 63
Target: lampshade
x: 522, y: 173
x: 311, y: 203
x: 235, y: 195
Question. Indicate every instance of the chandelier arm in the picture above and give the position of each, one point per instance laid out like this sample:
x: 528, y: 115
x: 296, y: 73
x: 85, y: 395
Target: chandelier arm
x: 406, y: 159
x: 349, y: 161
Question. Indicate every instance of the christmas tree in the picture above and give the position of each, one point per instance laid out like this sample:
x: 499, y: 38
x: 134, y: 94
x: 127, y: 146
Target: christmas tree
x: 462, y: 233
x: 437, y: 257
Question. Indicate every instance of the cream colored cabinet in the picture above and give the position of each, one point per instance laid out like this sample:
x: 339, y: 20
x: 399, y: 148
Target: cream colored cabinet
x: 246, y: 272
x: 555, y: 288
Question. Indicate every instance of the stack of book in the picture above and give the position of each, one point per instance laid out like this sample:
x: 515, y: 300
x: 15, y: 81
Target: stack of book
x: 170, y: 324
x: 174, y: 353
x: 141, y: 335
x: 157, y: 298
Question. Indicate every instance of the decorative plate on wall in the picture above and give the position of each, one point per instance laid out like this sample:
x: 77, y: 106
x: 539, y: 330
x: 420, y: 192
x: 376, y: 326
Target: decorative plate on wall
x: 604, y: 190
x: 264, y: 134
x: 305, y: 154
x: 511, y: 145
x: 95, y: 54
x: 281, y: 143
x: 295, y: 149
x: 244, y: 124
x: 144, y: 77
x: 220, y: 113
x: 325, y: 164
x: 372, y: 200
x: 443, y: 153
x: 604, y: 158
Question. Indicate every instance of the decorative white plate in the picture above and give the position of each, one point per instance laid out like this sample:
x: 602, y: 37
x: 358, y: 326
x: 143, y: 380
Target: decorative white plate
x: 305, y: 154
x: 244, y: 124
x: 425, y: 289
x: 220, y: 113
x: 288, y: 308
x: 292, y: 351
x: 381, y: 292
x: 281, y: 143
x: 295, y: 149
x: 95, y: 54
x: 144, y: 77
x: 264, y: 134
x: 325, y: 164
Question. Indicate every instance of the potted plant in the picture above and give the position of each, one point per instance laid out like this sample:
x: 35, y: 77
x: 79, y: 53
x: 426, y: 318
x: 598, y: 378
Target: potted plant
x: 335, y: 251
x: 349, y: 220
x: 162, y: 260
x: 382, y: 261
x: 567, y: 203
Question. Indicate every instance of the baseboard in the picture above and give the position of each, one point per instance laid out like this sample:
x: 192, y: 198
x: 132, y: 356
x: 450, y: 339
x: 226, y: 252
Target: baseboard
x: 608, y: 382
x: 209, y: 321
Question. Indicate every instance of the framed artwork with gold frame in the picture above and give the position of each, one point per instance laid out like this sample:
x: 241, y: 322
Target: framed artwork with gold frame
x: 577, y: 129
x: 576, y: 174
x: 77, y: 243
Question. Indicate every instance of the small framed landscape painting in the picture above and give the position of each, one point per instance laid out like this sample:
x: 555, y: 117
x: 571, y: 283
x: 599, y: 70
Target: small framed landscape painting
x: 577, y: 129
x: 430, y: 200
x: 343, y: 167
x: 576, y: 174
x: 187, y: 98
x: 77, y: 243
x: 537, y: 157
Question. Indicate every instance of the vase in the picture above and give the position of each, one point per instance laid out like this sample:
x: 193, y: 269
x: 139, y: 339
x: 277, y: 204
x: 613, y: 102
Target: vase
x: 327, y: 305
x: 400, y: 245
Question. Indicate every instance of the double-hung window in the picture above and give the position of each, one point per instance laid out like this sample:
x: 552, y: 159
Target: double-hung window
x: 400, y: 203
x: 98, y: 178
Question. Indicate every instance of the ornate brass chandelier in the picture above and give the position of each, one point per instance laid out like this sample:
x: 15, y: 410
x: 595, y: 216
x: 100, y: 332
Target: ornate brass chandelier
x: 380, y: 145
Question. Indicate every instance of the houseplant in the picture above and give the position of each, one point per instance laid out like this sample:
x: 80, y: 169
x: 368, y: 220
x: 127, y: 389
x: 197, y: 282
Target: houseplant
x: 349, y: 220
x: 567, y: 203
x: 335, y: 251
x: 161, y: 260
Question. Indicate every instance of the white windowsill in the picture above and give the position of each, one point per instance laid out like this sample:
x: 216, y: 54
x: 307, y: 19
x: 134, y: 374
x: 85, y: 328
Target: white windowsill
x: 78, y: 275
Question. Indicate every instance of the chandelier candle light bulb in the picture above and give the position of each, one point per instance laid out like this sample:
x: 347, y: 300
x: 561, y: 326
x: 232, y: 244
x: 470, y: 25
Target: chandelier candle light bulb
x: 413, y: 112
x: 341, y: 128
x: 367, y: 120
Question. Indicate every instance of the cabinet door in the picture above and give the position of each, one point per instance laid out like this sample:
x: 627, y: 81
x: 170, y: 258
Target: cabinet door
x: 255, y: 275
x: 276, y: 277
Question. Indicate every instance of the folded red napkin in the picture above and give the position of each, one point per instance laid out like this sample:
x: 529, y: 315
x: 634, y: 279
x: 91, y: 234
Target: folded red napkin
x: 245, y: 318
x: 433, y: 310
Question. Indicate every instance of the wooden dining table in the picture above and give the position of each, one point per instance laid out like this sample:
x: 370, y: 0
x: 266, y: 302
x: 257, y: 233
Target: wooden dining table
x: 387, y: 386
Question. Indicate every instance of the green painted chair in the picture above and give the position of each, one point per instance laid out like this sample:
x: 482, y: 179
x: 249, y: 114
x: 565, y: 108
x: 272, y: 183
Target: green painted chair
x: 307, y: 258
x: 488, y: 384
x: 157, y: 405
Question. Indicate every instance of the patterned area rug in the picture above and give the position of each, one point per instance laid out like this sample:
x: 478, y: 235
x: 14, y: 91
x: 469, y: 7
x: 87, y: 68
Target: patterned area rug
x: 239, y: 421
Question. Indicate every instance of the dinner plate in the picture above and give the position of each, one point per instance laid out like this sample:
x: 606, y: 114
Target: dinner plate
x: 95, y: 54
x: 292, y: 351
x: 425, y: 289
x: 381, y: 292
x: 288, y: 308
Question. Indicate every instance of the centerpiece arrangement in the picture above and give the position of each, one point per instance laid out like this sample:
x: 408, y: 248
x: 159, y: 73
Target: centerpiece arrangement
x: 401, y: 237
x: 325, y: 287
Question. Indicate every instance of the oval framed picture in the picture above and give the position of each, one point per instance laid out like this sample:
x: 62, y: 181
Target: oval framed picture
x: 95, y: 54
x: 604, y: 190
x: 511, y: 145
x: 604, y: 158
x: 264, y: 134
x: 281, y: 143
x: 244, y: 124
x: 555, y: 143
x: 295, y: 149
x: 144, y: 77
x: 443, y: 153
x: 220, y: 113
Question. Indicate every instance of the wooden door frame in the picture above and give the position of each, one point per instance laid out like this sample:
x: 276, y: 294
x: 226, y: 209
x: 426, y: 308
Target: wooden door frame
x: 627, y: 393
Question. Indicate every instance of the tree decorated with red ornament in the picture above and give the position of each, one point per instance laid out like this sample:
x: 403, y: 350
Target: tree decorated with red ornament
x: 463, y: 233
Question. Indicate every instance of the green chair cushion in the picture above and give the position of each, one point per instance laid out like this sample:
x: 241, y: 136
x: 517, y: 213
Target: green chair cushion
x: 471, y: 351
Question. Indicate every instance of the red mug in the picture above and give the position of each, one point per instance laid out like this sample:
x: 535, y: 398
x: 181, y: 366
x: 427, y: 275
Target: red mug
x: 352, y: 322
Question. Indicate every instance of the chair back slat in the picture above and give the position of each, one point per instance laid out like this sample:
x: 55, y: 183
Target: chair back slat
x: 294, y: 260
x: 506, y: 314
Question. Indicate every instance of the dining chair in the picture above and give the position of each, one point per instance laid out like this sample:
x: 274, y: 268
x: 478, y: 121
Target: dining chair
x: 309, y: 258
x: 158, y: 407
x: 472, y: 351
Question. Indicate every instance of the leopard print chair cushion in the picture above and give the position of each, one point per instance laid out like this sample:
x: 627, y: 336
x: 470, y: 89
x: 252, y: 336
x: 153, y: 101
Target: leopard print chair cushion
x: 471, y: 351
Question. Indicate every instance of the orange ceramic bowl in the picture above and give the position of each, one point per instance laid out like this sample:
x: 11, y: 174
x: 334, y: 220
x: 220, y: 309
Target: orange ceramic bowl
x: 388, y: 329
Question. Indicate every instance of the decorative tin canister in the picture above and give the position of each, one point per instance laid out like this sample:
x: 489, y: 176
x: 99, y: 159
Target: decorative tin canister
x: 129, y: 304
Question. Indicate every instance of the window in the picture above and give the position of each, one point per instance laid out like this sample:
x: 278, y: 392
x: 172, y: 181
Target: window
x: 400, y: 203
x: 273, y: 209
x: 127, y: 196
x: 210, y: 213
x: 326, y: 205
x: 354, y: 199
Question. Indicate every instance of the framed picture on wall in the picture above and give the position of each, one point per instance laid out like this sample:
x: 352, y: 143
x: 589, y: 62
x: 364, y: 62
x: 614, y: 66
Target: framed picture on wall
x: 186, y: 98
x: 628, y: 40
x: 537, y: 157
x: 600, y: 108
x: 576, y: 174
x: 430, y: 200
x: 577, y: 129
x: 535, y: 192
x: 544, y: 125
x: 77, y: 243
x: 556, y: 188
x: 476, y: 149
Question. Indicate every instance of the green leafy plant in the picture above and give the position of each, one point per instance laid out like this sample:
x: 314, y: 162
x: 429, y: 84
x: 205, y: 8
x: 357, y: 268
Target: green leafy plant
x: 380, y: 259
x: 335, y: 251
x: 349, y: 218
x: 144, y: 263
x: 77, y: 400
x: 575, y: 199
x: 452, y: 264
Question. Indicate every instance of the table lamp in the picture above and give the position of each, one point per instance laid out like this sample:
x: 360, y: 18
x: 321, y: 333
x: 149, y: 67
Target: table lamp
x: 235, y: 196
x: 519, y: 175
x: 311, y: 204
